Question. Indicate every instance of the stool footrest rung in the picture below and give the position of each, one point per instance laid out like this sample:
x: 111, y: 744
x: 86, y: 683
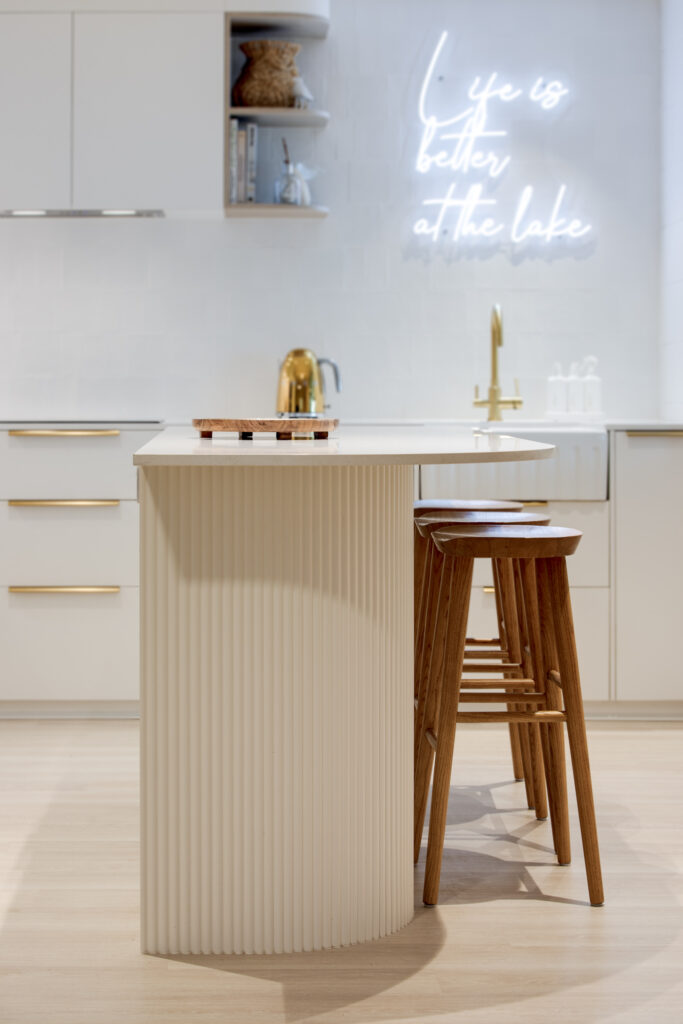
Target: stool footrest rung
x: 486, y: 653
x: 511, y: 716
x: 502, y: 698
x: 473, y: 641
x: 498, y: 684
x: 430, y: 736
x: 507, y: 666
x: 554, y: 677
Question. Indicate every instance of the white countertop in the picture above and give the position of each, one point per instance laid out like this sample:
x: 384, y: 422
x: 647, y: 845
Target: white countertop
x: 350, y: 446
x: 649, y: 425
x: 77, y: 424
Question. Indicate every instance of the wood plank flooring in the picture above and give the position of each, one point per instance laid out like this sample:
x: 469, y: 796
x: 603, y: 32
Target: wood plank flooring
x: 513, y: 940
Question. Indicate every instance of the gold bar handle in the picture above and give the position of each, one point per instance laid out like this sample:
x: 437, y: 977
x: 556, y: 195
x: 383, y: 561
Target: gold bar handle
x: 63, y: 502
x: 534, y: 504
x: 64, y: 590
x: 489, y: 590
x: 654, y: 433
x: 64, y: 433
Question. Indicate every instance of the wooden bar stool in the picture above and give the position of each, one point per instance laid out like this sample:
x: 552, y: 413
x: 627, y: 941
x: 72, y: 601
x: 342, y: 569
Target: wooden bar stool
x: 423, y: 507
x: 550, y: 699
x: 524, y: 741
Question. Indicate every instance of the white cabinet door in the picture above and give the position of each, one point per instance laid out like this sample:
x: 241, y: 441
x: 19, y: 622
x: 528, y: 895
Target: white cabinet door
x: 148, y: 111
x: 66, y: 466
x: 648, y: 499
x: 69, y: 646
x: 35, y: 111
x: 69, y: 545
x: 590, y: 609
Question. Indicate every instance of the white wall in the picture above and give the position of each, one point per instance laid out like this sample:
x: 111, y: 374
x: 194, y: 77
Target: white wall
x: 672, y: 210
x: 182, y: 318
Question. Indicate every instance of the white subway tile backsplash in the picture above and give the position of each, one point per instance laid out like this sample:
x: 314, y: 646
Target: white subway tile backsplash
x: 177, y: 318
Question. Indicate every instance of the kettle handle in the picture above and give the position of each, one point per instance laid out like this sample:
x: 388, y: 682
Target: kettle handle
x: 335, y: 370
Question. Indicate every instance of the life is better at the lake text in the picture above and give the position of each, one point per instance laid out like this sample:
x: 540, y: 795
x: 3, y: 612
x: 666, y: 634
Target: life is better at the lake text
x: 471, y: 144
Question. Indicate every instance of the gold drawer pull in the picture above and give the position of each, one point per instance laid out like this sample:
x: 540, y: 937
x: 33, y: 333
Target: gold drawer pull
x: 654, y: 433
x: 534, y: 504
x: 64, y: 433
x: 63, y: 502
x: 489, y: 590
x: 64, y: 590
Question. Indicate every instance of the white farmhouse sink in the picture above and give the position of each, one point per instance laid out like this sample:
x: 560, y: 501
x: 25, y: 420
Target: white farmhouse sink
x: 578, y: 471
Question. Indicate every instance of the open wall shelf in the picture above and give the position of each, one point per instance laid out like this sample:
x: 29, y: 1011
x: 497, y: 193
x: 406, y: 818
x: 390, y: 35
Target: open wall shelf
x: 275, y: 210
x: 281, y: 117
x: 280, y: 26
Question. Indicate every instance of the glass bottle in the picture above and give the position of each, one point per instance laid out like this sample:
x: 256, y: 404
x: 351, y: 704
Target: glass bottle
x: 288, y: 186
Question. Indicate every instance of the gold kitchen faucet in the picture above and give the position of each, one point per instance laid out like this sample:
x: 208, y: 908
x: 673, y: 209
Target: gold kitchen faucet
x: 495, y: 402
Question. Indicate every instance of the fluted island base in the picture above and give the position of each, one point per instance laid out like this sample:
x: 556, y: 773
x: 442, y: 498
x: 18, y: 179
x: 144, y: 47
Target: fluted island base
x: 276, y: 706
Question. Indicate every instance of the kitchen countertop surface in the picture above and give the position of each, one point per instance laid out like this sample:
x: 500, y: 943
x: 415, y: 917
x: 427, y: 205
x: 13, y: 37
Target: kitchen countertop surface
x: 649, y: 425
x: 349, y: 446
x: 76, y: 424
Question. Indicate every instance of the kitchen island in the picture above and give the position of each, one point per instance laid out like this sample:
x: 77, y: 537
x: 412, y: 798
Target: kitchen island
x: 277, y: 695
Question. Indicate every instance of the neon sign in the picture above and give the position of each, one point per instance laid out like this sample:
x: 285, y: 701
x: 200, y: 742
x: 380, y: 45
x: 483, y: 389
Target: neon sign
x: 467, y: 145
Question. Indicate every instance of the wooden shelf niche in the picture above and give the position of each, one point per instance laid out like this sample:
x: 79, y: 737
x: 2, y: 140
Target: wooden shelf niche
x: 276, y: 26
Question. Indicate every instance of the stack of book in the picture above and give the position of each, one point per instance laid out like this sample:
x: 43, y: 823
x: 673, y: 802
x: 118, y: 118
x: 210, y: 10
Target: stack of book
x: 242, y: 148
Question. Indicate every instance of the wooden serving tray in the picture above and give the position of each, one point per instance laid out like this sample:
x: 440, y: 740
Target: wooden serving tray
x: 283, y: 428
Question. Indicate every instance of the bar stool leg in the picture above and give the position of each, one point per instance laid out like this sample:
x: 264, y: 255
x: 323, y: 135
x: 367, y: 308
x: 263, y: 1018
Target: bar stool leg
x: 543, y: 658
x: 458, y: 609
x: 429, y: 626
x: 576, y: 727
x: 420, y: 553
x: 535, y: 748
x: 513, y: 728
x: 430, y: 702
x: 508, y: 603
x: 421, y: 615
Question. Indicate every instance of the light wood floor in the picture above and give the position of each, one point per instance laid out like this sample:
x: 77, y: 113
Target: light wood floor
x: 514, y: 939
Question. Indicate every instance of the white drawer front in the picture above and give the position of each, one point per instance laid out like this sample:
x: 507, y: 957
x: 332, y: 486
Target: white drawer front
x: 589, y: 566
x: 69, y: 647
x: 69, y: 545
x: 67, y: 466
x: 590, y: 606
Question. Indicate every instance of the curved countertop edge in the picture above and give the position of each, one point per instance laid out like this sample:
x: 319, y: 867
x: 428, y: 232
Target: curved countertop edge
x: 368, y: 447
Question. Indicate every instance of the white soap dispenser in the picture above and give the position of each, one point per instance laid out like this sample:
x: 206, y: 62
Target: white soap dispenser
x: 574, y: 390
x: 556, y: 393
x: 592, y: 389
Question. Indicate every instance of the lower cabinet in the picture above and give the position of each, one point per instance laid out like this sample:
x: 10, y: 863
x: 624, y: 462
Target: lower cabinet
x: 69, y: 562
x: 591, y: 609
x: 66, y: 646
x: 647, y: 483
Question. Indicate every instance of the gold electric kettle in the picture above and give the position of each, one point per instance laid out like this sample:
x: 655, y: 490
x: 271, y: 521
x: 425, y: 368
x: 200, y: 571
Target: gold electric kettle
x: 301, y: 388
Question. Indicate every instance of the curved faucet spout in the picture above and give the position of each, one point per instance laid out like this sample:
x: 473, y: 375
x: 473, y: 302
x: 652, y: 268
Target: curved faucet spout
x: 495, y: 401
x: 496, y: 341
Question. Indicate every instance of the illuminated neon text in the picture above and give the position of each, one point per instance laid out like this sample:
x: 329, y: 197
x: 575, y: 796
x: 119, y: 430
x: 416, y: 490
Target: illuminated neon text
x: 470, y: 144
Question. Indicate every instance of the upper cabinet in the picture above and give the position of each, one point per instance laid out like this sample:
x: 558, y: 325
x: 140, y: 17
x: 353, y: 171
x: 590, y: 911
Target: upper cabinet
x: 148, y: 111
x: 114, y: 110
x: 35, y: 111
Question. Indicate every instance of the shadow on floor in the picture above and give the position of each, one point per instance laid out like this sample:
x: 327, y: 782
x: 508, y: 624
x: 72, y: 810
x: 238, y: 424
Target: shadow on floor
x: 72, y: 924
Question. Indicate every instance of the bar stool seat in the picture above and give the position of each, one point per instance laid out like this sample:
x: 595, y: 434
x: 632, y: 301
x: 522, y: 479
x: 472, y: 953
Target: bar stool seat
x: 548, y: 697
x: 513, y: 540
x: 465, y: 505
